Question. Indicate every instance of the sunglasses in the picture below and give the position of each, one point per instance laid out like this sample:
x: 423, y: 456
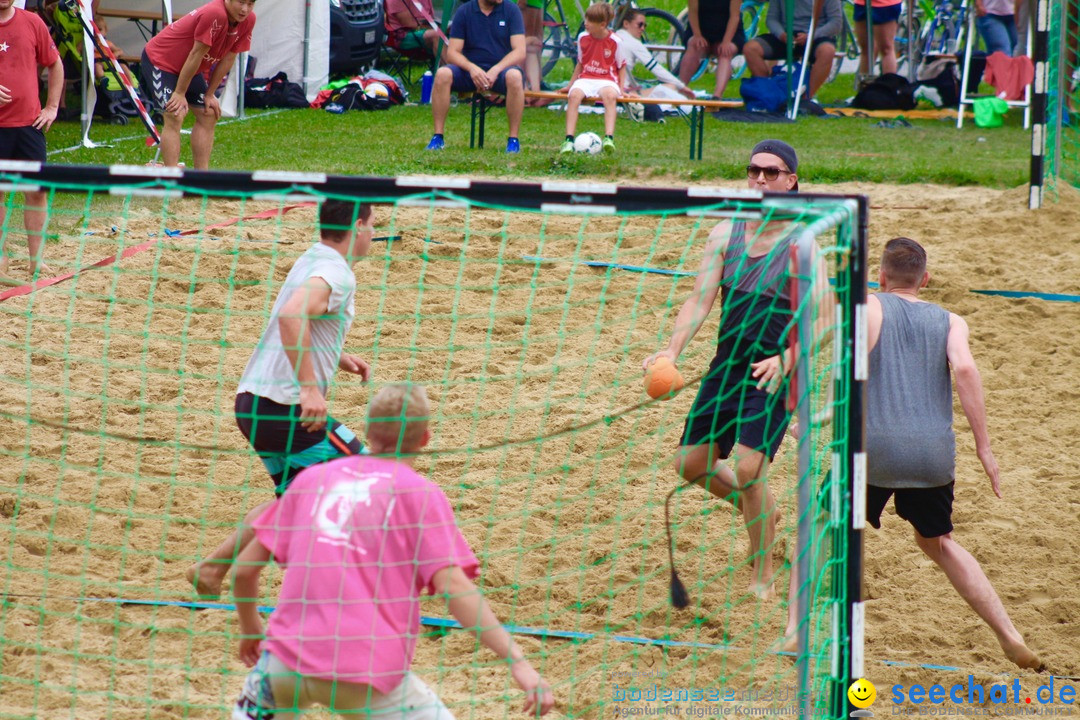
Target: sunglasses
x: 770, y: 173
x: 640, y: 24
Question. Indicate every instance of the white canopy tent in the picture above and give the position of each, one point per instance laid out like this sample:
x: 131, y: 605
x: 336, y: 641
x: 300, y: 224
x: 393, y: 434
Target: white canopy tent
x: 289, y: 36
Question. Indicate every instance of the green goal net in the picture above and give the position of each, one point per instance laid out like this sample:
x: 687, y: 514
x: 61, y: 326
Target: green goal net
x: 526, y: 310
x: 1056, y: 141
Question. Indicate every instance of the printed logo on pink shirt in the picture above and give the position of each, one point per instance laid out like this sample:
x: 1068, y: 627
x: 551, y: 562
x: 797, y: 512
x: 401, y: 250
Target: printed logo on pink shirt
x: 336, y: 507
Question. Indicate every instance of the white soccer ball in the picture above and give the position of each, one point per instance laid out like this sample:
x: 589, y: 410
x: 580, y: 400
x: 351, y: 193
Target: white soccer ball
x: 588, y: 142
x: 377, y: 90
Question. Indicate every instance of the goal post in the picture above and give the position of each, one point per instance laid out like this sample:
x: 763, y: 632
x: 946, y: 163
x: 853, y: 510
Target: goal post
x: 526, y: 308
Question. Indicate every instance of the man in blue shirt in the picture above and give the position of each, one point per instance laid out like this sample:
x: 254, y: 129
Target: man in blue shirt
x: 486, y: 51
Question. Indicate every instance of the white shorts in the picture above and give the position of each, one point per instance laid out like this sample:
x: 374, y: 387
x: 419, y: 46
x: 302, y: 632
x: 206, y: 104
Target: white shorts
x: 288, y: 693
x: 592, y: 87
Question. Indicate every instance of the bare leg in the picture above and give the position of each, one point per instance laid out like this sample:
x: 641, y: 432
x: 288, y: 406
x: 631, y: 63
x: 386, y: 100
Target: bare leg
x: 819, y: 73
x: 4, y: 277
x: 610, y: 98
x: 34, y: 215
x: 689, y: 64
x: 202, y: 138
x: 572, y: 103
x: 758, y: 506
x: 170, y: 140
x: 971, y: 582
x: 755, y: 59
x: 885, y: 46
x: 699, y: 465
x: 791, y: 632
x: 208, y: 574
x: 515, y: 101
x: 860, y: 37
x: 440, y: 97
x: 723, y: 75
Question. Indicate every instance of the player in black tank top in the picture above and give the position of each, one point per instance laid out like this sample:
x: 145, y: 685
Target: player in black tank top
x: 739, y: 409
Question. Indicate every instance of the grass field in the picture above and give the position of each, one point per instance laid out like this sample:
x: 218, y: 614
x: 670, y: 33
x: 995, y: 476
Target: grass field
x: 392, y: 142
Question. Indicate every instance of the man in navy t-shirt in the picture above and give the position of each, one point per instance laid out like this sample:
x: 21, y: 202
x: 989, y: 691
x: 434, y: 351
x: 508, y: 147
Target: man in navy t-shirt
x: 487, y: 48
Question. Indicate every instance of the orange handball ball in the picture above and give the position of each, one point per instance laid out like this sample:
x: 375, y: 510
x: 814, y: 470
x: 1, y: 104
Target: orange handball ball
x: 662, y: 379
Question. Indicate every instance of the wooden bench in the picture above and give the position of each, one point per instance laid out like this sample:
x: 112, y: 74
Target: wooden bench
x: 480, y: 106
x: 139, y: 17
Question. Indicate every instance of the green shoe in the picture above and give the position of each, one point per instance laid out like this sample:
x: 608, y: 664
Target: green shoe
x: 567, y: 146
x: 608, y: 145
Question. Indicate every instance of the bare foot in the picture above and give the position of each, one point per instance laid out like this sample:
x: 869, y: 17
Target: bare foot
x: 206, y: 579
x: 1022, y: 656
x: 6, y: 279
x: 790, y: 642
x: 42, y: 272
x: 764, y: 591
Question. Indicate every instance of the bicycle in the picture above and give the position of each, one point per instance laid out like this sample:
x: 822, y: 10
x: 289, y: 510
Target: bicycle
x: 943, y: 32
x: 665, y: 36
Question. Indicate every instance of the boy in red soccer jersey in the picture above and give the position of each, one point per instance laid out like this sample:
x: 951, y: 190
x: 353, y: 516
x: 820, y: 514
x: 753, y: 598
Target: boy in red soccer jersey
x: 600, y: 72
x: 24, y: 45
x: 186, y: 62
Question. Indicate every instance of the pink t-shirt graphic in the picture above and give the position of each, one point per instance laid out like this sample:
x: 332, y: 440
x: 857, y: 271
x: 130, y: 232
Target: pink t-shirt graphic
x: 360, y: 539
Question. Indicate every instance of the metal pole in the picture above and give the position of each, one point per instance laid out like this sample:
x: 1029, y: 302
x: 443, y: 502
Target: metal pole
x: 910, y: 42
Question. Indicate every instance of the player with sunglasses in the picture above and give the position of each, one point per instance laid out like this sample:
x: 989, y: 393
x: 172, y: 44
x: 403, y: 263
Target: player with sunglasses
x: 739, y: 411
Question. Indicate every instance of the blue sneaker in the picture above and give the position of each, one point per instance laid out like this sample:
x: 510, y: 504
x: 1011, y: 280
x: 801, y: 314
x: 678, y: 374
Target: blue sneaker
x: 436, y: 143
x: 512, y: 145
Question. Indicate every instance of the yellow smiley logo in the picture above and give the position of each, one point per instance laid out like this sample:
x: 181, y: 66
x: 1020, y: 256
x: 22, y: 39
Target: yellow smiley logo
x: 862, y: 693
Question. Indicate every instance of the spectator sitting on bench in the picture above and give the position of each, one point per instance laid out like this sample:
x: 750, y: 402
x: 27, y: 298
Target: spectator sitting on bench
x: 773, y: 45
x: 600, y: 72
x: 487, y: 49
x: 410, y: 35
x: 717, y: 32
x: 631, y: 31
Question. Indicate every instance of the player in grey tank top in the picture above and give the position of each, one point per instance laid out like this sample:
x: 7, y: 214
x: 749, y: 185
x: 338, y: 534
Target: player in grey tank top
x: 910, y: 443
x: 909, y: 398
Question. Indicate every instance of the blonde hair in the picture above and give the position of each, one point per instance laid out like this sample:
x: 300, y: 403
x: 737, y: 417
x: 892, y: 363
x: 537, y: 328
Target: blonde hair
x: 600, y: 12
x: 398, y: 417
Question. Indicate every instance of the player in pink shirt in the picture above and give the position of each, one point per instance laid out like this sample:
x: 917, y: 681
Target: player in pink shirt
x: 25, y: 45
x: 600, y: 72
x: 360, y: 539
x: 185, y: 64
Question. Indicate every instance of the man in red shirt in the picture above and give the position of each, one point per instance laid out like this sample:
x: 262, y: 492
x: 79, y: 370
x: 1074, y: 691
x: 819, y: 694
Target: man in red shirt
x: 186, y: 62
x: 24, y: 45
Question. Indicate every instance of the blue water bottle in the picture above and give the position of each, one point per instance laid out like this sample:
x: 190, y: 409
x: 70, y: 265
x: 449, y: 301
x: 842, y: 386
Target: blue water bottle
x: 425, y: 87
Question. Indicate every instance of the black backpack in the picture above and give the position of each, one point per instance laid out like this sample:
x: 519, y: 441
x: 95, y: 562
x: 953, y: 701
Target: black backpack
x: 940, y: 76
x: 887, y: 92
x: 274, y: 92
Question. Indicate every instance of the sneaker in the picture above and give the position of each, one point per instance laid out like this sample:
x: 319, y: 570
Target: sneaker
x: 512, y: 145
x: 436, y: 143
x: 608, y: 145
x: 567, y: 146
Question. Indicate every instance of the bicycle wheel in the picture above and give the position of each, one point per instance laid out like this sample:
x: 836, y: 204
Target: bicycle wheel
x: 903, y: 42
x: 752, y: 11
x: 665, y: 37
x: 557, y: 43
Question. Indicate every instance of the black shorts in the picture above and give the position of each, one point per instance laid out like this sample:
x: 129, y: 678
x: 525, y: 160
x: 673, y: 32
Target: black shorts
x: 714, y: 33
x: 463, y: 82
x: 22, y: 143
x: 284, y: 446
x: 777, y: 50
x: 729, y: 408
x: 929, y: 510
x: 878, y: 15
x: 159, y: 84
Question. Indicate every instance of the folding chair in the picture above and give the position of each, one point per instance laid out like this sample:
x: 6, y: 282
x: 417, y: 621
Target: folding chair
x: 965, y: 99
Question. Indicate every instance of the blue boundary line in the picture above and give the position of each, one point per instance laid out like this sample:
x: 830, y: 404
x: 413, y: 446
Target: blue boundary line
x: 1019, y: 294
x: 545, y: 633
x: 1052, y: 297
